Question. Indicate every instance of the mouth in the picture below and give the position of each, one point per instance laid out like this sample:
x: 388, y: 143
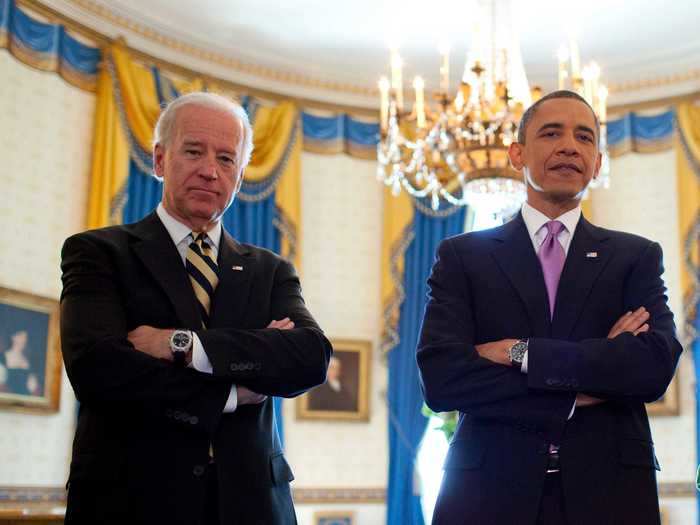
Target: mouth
x: 204, y: 190
x: 566, y: 167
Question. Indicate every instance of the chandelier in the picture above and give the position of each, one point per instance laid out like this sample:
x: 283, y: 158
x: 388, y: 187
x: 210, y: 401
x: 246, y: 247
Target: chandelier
x: 456, y: 149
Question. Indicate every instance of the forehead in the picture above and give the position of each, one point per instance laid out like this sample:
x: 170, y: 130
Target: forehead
x: 203, y: 123
x: 565, y: 111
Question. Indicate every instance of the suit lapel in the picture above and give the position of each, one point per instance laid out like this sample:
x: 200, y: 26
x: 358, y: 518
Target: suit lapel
x: 516, y: 257
x: 588, y: 254
x: 235, y: 277
x: 160, y: 256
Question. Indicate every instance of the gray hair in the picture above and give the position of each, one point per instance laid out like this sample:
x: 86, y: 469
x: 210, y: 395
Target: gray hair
x: 163, y: 133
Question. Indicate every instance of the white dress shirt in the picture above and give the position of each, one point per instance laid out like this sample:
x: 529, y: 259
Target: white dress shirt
x: 182, y: 237
x: 535, y: 222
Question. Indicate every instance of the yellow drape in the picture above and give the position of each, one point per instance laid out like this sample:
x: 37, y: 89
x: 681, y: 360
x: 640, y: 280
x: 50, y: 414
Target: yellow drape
x: 274, y: 127
x: 398, y: 216
x: 688, y: 181
x: 110, y: 157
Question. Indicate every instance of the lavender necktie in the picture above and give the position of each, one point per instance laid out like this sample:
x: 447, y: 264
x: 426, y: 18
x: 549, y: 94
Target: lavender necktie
x: 552, y: 256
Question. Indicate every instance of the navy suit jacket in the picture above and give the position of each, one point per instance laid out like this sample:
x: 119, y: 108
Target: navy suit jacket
x: 487, y: 286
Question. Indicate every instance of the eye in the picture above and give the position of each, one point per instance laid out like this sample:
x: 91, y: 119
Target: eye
x: 226, y: 159
x: 192, y: 152
x: 585, y: 137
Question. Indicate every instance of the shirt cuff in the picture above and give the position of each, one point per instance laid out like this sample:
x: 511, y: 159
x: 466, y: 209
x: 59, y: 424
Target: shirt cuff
x: 523, y: 365
x: 200, y: 361
x: 573, y: 409
x: 232, y: 401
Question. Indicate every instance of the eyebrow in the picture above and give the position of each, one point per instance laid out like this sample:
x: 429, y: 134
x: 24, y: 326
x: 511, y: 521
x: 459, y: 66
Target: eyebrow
x: 557, y: 125
x: 198, y: 143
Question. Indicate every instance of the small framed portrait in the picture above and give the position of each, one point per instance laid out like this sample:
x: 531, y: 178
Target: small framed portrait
x: 345, y: 394
x: 669, y: 403
x: 30, y: 357
x: 334, y: 517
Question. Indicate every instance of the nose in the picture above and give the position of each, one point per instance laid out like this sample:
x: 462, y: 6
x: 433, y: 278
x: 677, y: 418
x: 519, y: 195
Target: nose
x: 568, y: 145
x: 208, y: 169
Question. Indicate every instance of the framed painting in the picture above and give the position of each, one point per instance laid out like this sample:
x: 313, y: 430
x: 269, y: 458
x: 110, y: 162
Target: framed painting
x: 345, y: 394
x: 30, y: 357
x: 669, y: 403
x: 334, y: 517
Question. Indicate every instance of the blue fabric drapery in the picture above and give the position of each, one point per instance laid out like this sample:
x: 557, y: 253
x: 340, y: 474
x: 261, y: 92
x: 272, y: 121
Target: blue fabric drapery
x: 404, y: 397
x: 48, y: 47
x: 641, y: 133
x: 340, y: 133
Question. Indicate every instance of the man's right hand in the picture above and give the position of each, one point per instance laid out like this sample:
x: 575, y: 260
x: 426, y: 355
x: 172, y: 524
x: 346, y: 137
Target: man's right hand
x: 248, y: 397
x: 633, y: 322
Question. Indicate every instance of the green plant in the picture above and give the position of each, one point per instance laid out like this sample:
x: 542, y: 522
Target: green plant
x: 449, y: 421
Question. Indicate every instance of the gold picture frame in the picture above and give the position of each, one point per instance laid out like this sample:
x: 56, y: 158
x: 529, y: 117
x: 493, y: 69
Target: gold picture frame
x: 30, y: 355
x: 345, y: 394
x: 669, y: 403
x: 334, y: 517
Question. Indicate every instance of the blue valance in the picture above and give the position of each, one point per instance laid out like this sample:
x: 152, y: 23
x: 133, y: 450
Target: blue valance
x: 48, y: 47
x: 641, y: 133
x: 329, y: 134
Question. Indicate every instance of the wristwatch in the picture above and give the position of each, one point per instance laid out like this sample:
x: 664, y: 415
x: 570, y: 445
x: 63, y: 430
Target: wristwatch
x: 180, y: 344
x: 516, y: 353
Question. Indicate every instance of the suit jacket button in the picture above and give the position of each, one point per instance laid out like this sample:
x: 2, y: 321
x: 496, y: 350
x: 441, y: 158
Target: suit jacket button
x: 194, y: 420
x: 198, y: 470
x: 177, y: 415
x: 234, y: 367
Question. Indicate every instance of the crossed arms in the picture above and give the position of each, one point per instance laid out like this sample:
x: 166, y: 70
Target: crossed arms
x: 636, y: 363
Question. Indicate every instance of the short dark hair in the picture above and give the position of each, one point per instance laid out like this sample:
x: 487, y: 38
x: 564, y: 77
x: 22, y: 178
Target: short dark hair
x: 562, y: 93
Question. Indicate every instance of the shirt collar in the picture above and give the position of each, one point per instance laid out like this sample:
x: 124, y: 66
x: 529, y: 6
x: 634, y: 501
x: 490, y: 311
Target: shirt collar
x: 179, y: 232
x: 535, y: 219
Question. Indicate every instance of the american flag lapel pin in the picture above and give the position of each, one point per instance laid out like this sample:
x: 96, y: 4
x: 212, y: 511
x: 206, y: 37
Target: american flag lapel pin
x: 591, y: 255
x: 237, y: 268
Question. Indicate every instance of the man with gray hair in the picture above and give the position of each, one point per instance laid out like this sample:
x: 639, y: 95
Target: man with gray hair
x: 175, y: 337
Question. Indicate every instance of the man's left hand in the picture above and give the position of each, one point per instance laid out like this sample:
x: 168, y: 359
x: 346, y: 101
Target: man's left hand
x: 152, y: 341
x: 497, y: 351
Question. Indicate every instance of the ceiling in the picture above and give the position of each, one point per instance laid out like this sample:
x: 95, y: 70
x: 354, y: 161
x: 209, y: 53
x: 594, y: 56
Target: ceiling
x: 639, y: 42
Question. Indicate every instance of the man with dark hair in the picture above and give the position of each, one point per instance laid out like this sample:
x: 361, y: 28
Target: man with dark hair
x: 548, y: 334
x: 175, y: 337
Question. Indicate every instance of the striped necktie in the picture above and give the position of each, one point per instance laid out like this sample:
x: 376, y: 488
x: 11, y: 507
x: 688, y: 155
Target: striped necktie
x: 203, y: 273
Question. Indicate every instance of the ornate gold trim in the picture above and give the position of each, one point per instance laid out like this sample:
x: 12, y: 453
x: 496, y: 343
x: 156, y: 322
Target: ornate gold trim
x: 302, y: 495
x: 104, y: 41
x: 270, y: 74
x: 306, y: 496
x: 646, y: 83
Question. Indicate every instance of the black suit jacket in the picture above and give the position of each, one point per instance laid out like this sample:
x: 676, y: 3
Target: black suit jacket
x: 145, y: 425
x: 486, y: 286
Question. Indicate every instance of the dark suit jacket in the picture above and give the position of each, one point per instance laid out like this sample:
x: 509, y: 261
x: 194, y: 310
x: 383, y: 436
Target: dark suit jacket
x: 486, y: 286
x: 145, y: 425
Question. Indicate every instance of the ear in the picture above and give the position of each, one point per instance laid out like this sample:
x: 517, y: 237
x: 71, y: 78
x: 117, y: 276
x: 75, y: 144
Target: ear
x: 598, y: 163
x: 159, y: 160
x: 515, y: 154
x: 240, y: 182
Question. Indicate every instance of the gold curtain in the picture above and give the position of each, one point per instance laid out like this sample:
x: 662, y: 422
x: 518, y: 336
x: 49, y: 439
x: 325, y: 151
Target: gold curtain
x: 688, y: 181
x: 397, y: 235
x: 127, y: 109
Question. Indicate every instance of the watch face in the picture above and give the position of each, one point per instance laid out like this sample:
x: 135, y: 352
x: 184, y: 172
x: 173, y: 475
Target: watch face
x: 180, y: 341
x: 517, y: 351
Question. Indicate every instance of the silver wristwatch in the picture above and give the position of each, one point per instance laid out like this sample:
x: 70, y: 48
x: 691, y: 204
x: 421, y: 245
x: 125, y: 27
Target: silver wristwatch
x: 516, y: 353
x: 180, y: 344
